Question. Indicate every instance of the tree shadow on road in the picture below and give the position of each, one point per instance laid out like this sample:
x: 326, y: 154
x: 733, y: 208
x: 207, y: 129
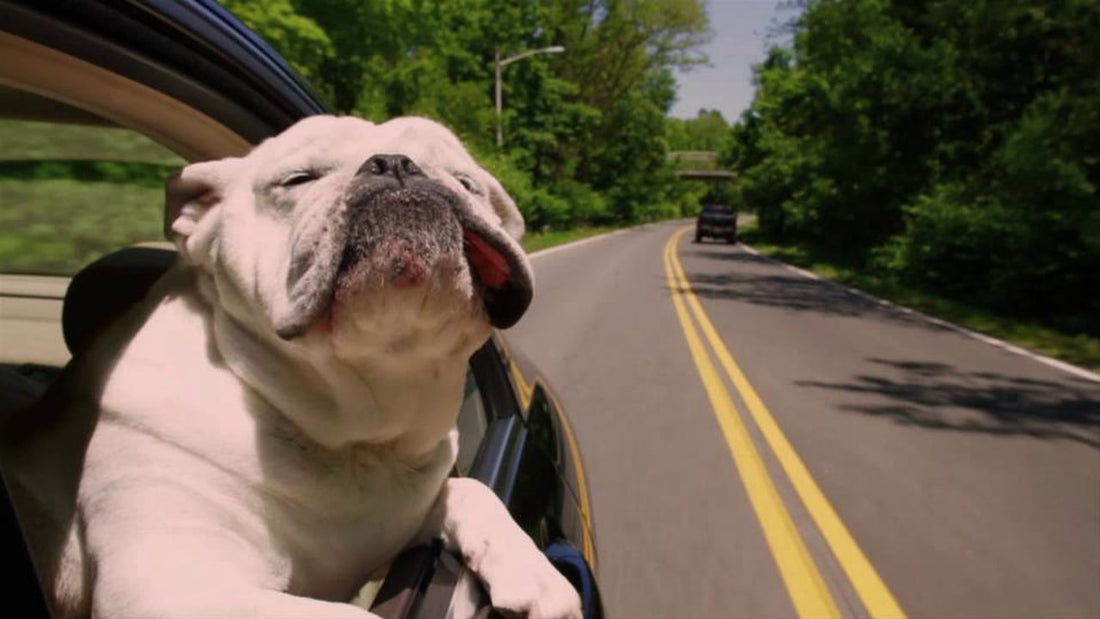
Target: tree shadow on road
x: 761, y: 281
x: 939, y: 396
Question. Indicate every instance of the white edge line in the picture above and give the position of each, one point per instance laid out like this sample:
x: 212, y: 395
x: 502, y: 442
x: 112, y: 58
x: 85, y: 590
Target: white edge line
x: 981, y: 337
x: 573, y: 244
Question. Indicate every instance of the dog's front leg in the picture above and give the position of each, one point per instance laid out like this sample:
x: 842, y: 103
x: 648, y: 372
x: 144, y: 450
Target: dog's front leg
x: 189, y: 574
x: 472, y: 521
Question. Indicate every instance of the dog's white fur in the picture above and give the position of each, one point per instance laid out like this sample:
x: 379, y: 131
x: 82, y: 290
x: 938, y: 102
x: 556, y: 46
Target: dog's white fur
x: 231, y: 472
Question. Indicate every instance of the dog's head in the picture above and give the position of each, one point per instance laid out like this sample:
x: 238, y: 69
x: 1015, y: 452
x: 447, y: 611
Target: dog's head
x: 387, y: 236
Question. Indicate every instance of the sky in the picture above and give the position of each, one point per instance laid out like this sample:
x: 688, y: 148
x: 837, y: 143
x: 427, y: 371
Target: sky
x: 740, y: 30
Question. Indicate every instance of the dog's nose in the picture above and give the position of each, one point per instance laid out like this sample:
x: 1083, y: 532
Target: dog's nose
x: 397, y: 166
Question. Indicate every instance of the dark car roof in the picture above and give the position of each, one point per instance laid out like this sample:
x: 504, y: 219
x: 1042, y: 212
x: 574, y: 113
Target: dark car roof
x: 194, y: 51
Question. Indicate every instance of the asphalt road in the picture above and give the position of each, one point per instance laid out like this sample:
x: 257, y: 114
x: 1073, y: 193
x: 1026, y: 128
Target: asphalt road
x: 954, y: 479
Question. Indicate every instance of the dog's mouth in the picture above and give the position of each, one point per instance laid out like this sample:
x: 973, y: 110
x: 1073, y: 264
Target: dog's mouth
x: 396, y: 237
x: 407, y: 237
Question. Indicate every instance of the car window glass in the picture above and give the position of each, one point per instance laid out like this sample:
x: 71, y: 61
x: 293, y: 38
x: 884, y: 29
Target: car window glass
x: 73, y: 187
x: 473, y: 419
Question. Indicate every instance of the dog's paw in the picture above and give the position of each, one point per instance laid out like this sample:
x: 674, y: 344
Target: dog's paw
x: 518, y: 576
x: 527, y: 585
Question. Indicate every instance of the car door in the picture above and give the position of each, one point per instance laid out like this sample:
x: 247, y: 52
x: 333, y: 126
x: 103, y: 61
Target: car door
x: 524, y: 458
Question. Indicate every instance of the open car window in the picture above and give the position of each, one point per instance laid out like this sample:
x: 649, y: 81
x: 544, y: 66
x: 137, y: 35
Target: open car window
x: 473, y: 419
x: 74, y: 187
x: 718, y: 210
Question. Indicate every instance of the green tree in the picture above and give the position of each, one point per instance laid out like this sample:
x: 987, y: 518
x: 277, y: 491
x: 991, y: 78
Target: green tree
x: 584, y: 130
x: 955, y: 144
x: 300, y: 39
x: 707, y: 131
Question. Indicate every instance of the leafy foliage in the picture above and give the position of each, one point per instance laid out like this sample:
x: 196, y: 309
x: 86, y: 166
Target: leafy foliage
x: 584, y: 131
x: 706, y: 131
x: 954, y: 146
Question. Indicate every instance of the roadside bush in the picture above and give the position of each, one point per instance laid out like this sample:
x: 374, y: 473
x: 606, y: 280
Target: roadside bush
x: 514, y: 180
x: 541, y: 209
x: 585, y: 205
x: 1014, y: 259
x: 954, y: 244
x: 689, y: 197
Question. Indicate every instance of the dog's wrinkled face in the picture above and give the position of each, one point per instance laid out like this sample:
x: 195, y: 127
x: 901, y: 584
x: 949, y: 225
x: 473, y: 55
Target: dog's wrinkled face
x: 371, y: 238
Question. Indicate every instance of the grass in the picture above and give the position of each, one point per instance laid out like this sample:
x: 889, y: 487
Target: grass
x: 56, y: 226
x: 535, y: 241
x: 1078, y: 349
x: 70, y: 194
x: 44, y: 141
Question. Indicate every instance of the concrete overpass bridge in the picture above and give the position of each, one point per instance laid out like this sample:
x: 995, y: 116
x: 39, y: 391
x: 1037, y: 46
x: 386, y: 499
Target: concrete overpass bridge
x: 700, y: 165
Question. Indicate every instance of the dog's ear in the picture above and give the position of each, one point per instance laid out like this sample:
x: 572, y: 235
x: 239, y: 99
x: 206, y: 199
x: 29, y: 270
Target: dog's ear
x: 505, y: 208
x: 190, y: 195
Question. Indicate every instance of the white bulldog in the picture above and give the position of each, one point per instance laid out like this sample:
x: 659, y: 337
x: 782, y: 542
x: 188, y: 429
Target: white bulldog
x: 276, y: 422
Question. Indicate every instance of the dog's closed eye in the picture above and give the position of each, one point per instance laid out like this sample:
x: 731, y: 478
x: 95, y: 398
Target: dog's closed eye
x: 469, y: 184
x: 299, y: 177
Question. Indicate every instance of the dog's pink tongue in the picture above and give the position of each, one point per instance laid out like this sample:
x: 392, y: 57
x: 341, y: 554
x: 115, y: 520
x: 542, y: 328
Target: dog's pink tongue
x: 489, y: 264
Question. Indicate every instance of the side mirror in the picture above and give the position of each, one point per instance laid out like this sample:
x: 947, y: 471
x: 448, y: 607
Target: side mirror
x: 572, y: 564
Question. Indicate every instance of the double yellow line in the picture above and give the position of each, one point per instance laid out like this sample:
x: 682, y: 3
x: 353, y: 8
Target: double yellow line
x: 809, y: 592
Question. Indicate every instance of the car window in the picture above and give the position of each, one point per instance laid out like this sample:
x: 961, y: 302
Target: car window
x: 718, y: 210
x: 473, y: 419
x: 73, y: 186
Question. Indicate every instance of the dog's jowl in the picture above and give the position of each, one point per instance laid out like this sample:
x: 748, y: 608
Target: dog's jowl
x: 276, y: 421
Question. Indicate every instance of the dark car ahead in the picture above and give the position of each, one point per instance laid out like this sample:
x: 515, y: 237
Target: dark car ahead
x: 716, y: 221
x: 99, y: 103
